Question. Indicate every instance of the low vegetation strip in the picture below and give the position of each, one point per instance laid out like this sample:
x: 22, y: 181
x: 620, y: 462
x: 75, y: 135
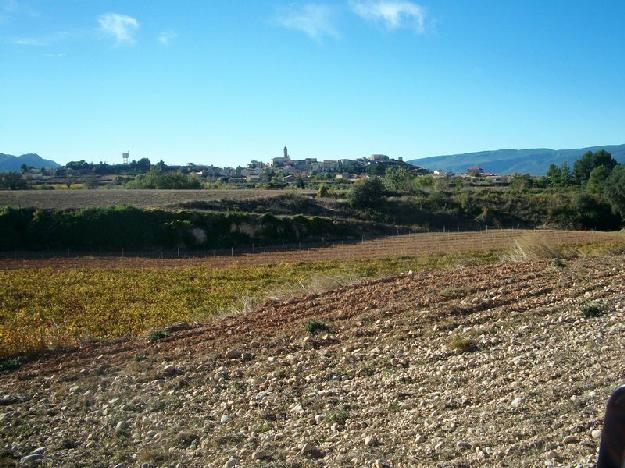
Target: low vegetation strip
x: 390, y: 246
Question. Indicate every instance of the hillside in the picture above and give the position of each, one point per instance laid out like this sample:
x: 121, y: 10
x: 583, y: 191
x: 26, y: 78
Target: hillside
x: 509, y: 161
x: 10, y: 163
x: 414, y: 369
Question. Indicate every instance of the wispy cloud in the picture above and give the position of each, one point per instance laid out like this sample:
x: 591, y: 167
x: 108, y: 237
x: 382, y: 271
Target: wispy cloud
x: 393, y: 14
x: 313, y: 19
x: 10, y: 8
x: 61, y: 54
x: 30, y: 41
x: 41, y: 41
x: 121, y: 28
x: 166, y: 37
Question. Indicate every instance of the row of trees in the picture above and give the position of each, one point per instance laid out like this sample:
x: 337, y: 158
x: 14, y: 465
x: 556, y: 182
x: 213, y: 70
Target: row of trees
x: 598, y: 175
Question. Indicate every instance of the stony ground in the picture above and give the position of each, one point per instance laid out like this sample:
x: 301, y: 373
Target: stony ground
x: 488, y: 366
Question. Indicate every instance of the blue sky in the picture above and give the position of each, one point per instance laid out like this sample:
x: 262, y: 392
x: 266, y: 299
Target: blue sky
x: 224, y: 82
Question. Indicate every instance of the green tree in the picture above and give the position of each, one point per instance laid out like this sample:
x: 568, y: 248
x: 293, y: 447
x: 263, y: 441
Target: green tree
x: 589, y: 160
x: 143, y: 165
x: 368, y: 193
x: 12, y: 181
x: 564, y: 177
x: 323, y: 191
x: 614, y: 190
x: 398, y: 178
x: 553, y: 175
x: 155, y: 179
x: 597, y: 179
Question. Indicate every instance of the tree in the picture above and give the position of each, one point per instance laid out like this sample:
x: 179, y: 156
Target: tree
x: 589, y: 160
x: 614, y: 190
x: 398, y: 178
x: 143, y: 165
x: 12, y: 181
x: 564, y: 177
x: 597, y: 179
x: 553, y: 175
x: 323, y: 191
x: 368, y: 193
x: 156, y: 179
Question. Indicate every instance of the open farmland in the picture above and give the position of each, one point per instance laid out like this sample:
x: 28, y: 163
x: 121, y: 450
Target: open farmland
x: 466, y: 366
x: 66, y: 199
x: 52, y: 302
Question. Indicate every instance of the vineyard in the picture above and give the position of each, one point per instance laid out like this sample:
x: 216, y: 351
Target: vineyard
x: 49, y: 303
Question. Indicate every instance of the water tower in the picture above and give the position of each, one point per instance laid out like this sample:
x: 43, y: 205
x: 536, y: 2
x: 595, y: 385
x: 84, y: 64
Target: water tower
x: 125, y: 157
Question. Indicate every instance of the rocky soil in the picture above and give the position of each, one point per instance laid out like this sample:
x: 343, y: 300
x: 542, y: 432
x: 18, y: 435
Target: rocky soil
x: 488, y: 366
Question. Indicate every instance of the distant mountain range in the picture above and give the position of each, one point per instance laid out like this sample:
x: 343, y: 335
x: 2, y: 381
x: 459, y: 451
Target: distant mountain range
x: 10, y: 163
x: 509, y: 161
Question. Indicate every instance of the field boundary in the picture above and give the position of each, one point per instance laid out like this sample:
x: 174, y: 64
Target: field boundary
x: 410, y: 245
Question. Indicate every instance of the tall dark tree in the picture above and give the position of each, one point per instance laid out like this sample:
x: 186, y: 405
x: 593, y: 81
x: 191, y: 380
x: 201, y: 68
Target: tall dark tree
x: 589, y: 160
x: 614, y: 190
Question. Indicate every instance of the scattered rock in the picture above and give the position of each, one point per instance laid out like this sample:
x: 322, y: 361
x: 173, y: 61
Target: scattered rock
x: 261, y: 455
x: 234, y: 354
x: 231, y: 463
x: 312, y: 451
x: 371, y: 441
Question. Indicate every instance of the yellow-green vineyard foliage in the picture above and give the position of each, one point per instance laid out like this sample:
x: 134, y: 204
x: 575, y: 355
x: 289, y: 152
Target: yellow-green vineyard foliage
x: 47, y: 308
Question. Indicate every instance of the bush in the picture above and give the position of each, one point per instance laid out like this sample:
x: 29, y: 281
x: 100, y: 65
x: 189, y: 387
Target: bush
x: 12, y: 181
x: 368, y: 193
x: 592, y: 311
x: 339, y: 416
x: 157, y: 335
x: 156, y: 179
x: 315, y: 326
x: 463, y: 344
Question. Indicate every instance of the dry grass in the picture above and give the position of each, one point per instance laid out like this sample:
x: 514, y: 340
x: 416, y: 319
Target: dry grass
x: 535, y: 246
x: 462, y: 343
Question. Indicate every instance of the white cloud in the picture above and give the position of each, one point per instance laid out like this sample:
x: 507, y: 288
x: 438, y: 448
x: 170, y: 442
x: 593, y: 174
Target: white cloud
x: 30, y: 41
x: 42, y: 41
x: 166, y: 37
x: 392, y: 14
x: 122, y: 28
x: 313, y: 19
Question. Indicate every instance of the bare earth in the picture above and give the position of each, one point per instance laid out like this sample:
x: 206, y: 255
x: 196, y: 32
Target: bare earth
x: 382, y: 388
x: 63, y: 199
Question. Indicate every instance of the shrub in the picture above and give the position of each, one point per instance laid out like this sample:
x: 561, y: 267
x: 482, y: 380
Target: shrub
x: 463, y: 344
x: 11, y: 364
x: 315, y: 326
x: 592, y: 311
x: 368, y: 193
x: 157, y: 335
x: 156, y: 179
x: 339, y: 416
x: 323, y: 191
